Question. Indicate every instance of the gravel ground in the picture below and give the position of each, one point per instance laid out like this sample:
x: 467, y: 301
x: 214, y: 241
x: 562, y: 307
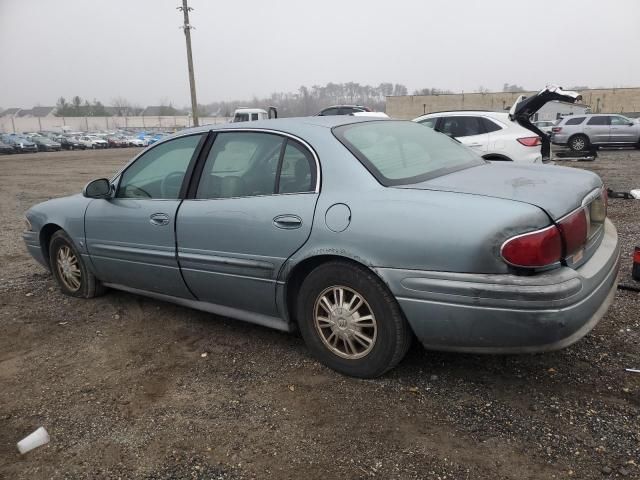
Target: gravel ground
x: 130, y: 387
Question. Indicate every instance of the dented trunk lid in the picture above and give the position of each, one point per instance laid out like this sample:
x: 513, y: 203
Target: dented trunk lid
x: 556, y: 190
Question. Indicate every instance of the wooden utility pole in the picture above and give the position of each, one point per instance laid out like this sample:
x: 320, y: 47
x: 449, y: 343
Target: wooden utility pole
x: 192, y: 82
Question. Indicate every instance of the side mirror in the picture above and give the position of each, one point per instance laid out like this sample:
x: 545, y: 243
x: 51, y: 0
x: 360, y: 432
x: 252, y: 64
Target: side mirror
x: 100, y: 188
x: 630, y: 124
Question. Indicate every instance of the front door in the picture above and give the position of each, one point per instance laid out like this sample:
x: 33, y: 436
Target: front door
x: 468, y: 130
x: 131, y: 237
x: 622, y: 130
x: 253, y: 208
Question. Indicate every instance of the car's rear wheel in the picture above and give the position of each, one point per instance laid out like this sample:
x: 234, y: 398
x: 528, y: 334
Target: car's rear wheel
x: 579, y: 143
x: 70, y: 272
x: 350, y: 321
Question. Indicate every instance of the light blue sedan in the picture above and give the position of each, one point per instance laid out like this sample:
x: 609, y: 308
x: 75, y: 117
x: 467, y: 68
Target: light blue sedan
x: 359, y: 233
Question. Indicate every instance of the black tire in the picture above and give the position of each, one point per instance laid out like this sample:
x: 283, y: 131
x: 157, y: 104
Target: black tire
x: 579, y: 143
x: 393, y: 335
x: 89, y: 286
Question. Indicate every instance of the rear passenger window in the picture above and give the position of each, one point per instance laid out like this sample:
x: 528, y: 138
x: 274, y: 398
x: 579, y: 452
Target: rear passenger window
x: 460, y: 126
x: 490, y: 126
x: 575, y: 121
x: 241, y: 164
x: 598, y: 121
x: 254, y: 117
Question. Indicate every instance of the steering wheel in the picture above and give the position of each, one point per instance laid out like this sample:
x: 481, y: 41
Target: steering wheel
x: 131, y: 191
x: 170, y: 185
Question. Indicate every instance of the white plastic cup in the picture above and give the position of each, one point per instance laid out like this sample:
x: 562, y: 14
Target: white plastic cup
x: 34, y: 440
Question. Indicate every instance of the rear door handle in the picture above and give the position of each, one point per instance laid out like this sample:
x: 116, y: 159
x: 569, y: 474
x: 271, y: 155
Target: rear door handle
x: 287, y: 222
x: 159, y: 219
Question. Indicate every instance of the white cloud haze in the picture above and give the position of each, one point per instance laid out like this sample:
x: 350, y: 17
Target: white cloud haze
x: 134, y: 49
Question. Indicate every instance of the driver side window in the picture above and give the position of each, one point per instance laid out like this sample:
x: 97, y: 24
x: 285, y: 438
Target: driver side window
x: 158, y: 174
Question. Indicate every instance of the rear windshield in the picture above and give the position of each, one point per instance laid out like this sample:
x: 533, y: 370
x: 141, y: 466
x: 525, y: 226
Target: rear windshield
x: 399, y: 153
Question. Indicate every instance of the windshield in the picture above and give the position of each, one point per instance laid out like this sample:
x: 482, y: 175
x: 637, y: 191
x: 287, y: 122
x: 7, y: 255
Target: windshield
x: 399, y: 153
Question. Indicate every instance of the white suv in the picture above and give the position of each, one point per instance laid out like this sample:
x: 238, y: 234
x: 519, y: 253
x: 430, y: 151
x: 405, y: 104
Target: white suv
x: 492, y: 134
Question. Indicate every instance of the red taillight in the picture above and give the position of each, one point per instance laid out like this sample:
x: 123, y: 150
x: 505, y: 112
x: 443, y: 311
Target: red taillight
x: 556, y: 129
x: 534, y: 249
x: 574, y: 229
x: 530, y: 141
x: 636, y: 255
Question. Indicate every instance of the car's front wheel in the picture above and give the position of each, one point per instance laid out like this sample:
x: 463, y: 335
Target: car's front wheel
x: 70, y: 272
x: 579, y: 143
x: 350, y: 321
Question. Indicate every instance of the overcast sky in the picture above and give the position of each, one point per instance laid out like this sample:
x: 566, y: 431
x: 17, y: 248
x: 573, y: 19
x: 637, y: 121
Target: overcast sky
x: 134, y: 48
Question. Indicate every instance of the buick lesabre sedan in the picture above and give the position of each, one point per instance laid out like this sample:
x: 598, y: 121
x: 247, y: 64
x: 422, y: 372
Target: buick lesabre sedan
x: 359, y: 233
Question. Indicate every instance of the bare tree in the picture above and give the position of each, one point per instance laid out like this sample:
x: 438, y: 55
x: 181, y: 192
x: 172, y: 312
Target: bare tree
x: 122, y: 106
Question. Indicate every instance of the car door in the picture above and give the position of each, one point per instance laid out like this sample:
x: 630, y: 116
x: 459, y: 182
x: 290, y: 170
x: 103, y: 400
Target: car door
x: 622, y: 130
x: 468, y: 130
x: 131, y: 237
x: 252, y: 209
x: 597, y: 129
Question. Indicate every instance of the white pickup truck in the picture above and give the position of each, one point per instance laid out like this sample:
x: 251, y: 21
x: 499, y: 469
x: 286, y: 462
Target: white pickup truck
x: 253, y: 114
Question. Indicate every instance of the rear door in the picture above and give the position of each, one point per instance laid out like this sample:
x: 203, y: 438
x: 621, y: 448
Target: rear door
x: 469, y: 130
x: 251, y: 208
x: 622, y: 130
x: 597, y: 129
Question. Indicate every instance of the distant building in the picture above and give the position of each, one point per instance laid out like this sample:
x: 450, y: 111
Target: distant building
x: 10, y: 112
x: 40, y: 112
x: 625, y: 101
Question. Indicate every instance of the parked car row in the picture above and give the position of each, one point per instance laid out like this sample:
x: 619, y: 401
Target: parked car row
x: 46, y: 141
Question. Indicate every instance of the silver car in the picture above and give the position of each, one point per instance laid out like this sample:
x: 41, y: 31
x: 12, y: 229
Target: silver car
x: 545, y: 125
x: 582, y: 132
x: 359, y: 233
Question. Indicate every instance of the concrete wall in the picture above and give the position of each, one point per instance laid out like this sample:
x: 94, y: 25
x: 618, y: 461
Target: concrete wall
x: 34, y: 124
x: 612, y: 100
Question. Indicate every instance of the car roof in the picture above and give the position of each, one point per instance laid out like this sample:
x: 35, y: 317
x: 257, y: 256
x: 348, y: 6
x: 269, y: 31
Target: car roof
x: 291, y: 125
x: 483, y: 113
x: 249, y: 110
x: 306, y: 128
x: 344, y: 105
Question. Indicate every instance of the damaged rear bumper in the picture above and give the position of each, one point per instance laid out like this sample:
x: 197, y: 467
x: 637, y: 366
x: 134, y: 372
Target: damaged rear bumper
x: 483, y: 313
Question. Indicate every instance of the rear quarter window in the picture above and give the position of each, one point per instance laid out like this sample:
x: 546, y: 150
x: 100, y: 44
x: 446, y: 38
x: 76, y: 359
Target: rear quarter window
x: 490, y: 126
x: 575, y: 121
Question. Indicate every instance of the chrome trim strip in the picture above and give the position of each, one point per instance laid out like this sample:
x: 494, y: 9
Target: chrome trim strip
x: 232, y: 129
x: 224, y: 261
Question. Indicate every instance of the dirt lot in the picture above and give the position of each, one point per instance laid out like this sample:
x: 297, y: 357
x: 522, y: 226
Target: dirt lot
x: 122, y: 384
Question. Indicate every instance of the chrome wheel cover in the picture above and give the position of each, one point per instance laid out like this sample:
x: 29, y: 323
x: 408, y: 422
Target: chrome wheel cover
x: 68, y: 268
x: 345, y: 322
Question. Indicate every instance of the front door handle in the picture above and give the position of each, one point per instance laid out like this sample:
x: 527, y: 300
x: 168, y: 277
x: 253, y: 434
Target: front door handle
x: 159, y: 219
x: 474, y: 145
x: 287, y: 222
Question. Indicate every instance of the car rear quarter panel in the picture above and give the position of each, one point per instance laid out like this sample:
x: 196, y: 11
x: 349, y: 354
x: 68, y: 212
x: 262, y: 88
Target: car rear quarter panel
x: 405, y: 228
